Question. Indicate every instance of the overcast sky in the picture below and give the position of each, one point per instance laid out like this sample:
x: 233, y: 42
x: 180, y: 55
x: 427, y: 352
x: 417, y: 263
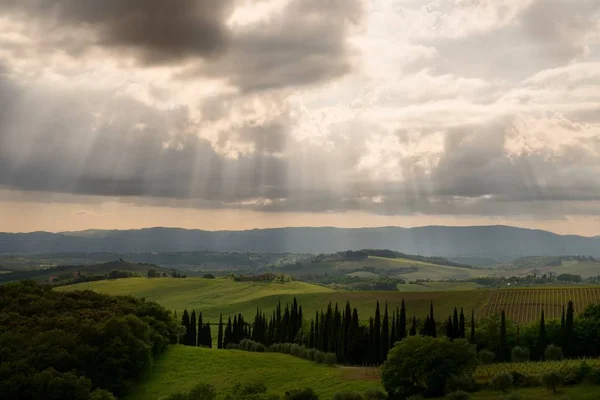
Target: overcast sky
x: 236, y: 114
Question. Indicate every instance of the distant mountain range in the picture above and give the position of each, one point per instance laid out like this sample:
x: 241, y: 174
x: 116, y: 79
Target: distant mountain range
x: 497, y: 242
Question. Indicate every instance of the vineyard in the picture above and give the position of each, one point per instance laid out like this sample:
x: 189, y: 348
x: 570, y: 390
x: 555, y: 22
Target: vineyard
x: 488, y: 371
x: 525, y: 305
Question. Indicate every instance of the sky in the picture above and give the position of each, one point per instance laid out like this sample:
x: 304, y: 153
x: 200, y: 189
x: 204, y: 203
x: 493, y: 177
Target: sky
x: 240, y: 114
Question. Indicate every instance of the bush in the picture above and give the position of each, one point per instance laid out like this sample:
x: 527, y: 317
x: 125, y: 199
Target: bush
x: 459, y: 395
x: 203, y: 391
x: 347, y: 396
x: 553, y: 353
x: 519, y: 354
x: 330, y: 359
x: 295, y: 350
x: 514, y: 396
x: 374, y: 394
x: 486, y: 357
x: 553, y: 380
x: 232, y: 346
x: 319, y: 357
x: 310, y: 354
x: 502, y: 382
x: 247, y: 390
x: 208, y: 276
x: 101, y: 395
x: 301, y: 394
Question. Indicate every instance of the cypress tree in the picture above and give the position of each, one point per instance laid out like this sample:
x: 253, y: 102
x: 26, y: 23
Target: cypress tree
x: 208, y: 335
x: 432, y: 321
x: 542, y: 336
x: 449, y: 328
x: 455, y: 325
x: 317, y: 332
x: 385, y: 335
x: 413, y: 328
x: 228, y: 333
x: 372, y: 349
x: 220, y: 335
x: 377, y: 335
x: 472, y: 338
x: 201, y: 332
x: 401, y: 331
x: 503, y: 348
x: 393, y: 337
x: 462, y: 333
x: 311, y: 336
x: 185, y: 321
x: 563, y: 328
x: 568, y: 347
x: 353, y: 331
x: 192, y: 334
x: 518, y: 338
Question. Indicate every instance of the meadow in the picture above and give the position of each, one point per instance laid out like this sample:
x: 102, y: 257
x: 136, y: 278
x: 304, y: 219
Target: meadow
x: 216, y: 296
x: 183, y: 367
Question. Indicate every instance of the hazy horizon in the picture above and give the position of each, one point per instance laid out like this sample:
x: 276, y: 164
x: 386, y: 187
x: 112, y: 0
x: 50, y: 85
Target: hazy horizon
x: 236, y: 114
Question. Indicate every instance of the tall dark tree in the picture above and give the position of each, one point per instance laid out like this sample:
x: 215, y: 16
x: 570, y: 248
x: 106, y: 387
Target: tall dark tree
x: 455, y: 325
x: 385, y: 335
x: 228, y: 337
x: 568, y: 346
x: 201, y: 339
x: 472, y: 338
x: 220, y: 334
x: 461, y: 324
x: 449, y: 328
x: 393, y: 334
x: 542, y: 337
x: 185, y: 321
x: 401, y: 330
x: 376, y: 332
x: 413, y: 328
x: 311, y: 336
x: 432, y: 326
x: 503, y: 352
x: 207, y: 335
x: 192, y: 334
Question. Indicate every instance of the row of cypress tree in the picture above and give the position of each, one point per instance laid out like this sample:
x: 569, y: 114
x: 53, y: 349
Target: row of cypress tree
x: 340, y: 331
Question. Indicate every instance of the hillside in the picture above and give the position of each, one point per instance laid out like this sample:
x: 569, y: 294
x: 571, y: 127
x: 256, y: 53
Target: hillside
x: 583, y: 266
x: 216, y: 296
x: 495, y: 242
x: 183, y: 367
x: 66, y: 272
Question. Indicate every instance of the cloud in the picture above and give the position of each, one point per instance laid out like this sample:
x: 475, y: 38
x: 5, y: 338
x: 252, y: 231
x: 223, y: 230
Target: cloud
x: 157, y: 32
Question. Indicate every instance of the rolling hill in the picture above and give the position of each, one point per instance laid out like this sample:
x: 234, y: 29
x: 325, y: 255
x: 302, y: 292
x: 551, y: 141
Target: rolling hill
x: 492, y: 242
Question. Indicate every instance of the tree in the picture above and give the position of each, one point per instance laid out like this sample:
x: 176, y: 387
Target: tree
x: 519, y: 354
x: 449, y: 328
x: 553, y: 380
x: 220, y: 334
x: 553, y: 353
x: 413, y: 328
x: 568, y: 344
x: 503, y: 345
x: 423, y: 365
x: 461, y: 325
x: 455, y: 324
x: 472, y: 338
x: 377, y: 335
x: 542, y: 338
x: 185, y: 321
x: 385, y: 335
x: 203, y: 391
x: 401, y: 330
x: 191, y: 339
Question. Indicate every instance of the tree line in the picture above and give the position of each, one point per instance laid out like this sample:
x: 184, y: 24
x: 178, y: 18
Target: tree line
x: 340, y: 330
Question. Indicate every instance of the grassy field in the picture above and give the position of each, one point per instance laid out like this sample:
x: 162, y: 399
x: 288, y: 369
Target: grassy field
x: 583, y: 392
x: 183, y: 367
x: 215, y: 296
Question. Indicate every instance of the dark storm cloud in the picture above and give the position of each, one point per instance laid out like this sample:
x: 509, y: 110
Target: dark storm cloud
x: 157, y: 31
x: 302, y: 44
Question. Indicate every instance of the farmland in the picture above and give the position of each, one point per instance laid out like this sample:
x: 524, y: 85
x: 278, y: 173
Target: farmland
x: 525, y: 305
x: 215, y: 296
x: 182, y: 367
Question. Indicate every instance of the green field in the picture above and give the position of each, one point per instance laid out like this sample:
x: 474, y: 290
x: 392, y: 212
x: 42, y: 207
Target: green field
x: 181, y: 368
x: 582, y: 392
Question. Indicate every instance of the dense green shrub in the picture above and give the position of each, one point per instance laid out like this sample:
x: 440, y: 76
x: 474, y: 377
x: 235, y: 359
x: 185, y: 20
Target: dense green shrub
x: 462, y: 383
x: 330, y: 359
x: 301, y: 394
x: 486, y: 357
x: 519, y: 354
x: 553, y: 380
x: 66, y: 343
x: 553, y: 353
